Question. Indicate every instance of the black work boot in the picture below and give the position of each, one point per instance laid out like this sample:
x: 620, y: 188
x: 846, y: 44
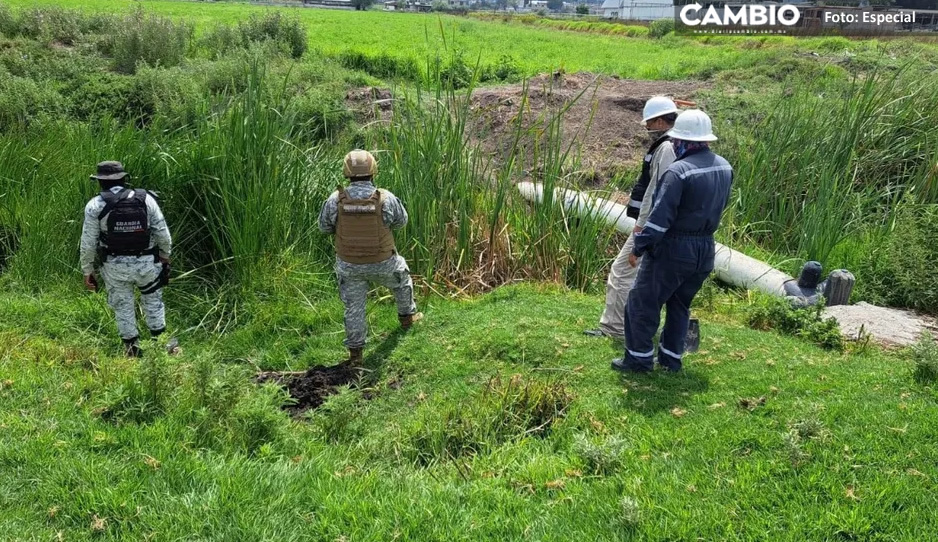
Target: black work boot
x: 355, y: 358
x: 131, y: 348
x: 408, y: 320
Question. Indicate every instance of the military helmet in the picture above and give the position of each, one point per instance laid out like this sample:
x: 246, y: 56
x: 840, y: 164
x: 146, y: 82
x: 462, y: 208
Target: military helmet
x: 359, y: 163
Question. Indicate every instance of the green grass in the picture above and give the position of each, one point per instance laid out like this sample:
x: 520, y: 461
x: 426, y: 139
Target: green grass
x: 423, y: 36
x: 841, y: 449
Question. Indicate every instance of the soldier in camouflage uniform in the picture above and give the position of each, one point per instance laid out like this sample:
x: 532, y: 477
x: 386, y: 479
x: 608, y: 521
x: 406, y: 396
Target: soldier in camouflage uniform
x: 362, y: 216
x: 126, y: 229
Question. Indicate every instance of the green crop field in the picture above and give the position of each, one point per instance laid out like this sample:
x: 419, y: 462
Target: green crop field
x: 424, y: 37
x: 495, y: 418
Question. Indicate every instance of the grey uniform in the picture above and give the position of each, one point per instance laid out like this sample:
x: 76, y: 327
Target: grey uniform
x: 122, y: 273
x: 621, y: 274
x: 354, y: 279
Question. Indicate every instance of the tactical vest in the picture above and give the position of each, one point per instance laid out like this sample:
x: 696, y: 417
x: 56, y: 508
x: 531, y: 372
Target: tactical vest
x: 638, y: 191
x: 361, y: 234
x: 128, y: 226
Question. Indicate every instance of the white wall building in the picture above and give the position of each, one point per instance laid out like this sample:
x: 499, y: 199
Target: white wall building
x: 638, y: 10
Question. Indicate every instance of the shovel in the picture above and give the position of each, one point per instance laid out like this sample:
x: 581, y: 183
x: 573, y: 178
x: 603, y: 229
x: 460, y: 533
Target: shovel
x: 692, y: 341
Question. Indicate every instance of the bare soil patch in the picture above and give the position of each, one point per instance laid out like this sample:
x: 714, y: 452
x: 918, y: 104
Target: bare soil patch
x: 602, y: 118
x: 310, y: 388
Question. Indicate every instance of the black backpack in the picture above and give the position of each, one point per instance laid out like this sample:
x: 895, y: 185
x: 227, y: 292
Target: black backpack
x: 128, y: 226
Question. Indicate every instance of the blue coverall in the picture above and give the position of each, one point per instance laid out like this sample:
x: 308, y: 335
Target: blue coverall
x: 678, y: 249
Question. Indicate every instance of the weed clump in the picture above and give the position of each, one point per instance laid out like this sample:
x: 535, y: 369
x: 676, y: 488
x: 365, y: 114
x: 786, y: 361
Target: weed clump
x: 143, y: 38
x: 145, y: 394
x: 925, y: 354
x: 601, y: 458
x: 801, y: 322
x: 286, y: 32
x: 505, y: 411
x: 660, y: 28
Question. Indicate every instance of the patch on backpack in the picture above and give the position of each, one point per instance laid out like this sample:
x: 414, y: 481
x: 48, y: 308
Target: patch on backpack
x: 359, y: 209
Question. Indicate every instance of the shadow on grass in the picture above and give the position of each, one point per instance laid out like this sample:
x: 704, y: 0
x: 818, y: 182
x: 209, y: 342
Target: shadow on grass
x: 374, y: 360
x: 650, y: 393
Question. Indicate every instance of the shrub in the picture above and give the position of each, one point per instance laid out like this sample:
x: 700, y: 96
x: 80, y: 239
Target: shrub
x: 142, y: 396
x: 142, y: 38
x: 807, y: 323
x: 286, y: 31
x: 660, y: 28
x: 23, y: 100
x: 336, y: 415
x: 258, y: 419
x: 925, y: 354
x: 506, y: 69
x: 169, y: 93
x: 582, y: 9
x: 105, y: 94
x: 457, y: 73
x: 221, y: 40
x: 9, y: 25
x: 320, y: 114
x: 909, y: 267
x: 362, y: 5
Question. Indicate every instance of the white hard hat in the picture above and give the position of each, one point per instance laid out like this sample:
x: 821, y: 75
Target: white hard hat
x: 693, y: 125
x: 658, y: 106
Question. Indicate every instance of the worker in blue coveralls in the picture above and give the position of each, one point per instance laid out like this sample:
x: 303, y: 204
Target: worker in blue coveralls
x: 677, y: 245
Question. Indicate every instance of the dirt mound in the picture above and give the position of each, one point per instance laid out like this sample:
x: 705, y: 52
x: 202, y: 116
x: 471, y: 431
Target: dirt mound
x: 603, y: 117
x: 311, y: 387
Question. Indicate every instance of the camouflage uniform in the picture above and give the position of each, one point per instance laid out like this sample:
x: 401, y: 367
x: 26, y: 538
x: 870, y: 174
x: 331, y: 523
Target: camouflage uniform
x: 122, y: 273
x: 354, y: 279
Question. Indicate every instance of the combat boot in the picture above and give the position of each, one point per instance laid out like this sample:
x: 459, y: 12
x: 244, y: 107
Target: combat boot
x: 408, y: 320
x: 131, y: 348
x: 355, y: 358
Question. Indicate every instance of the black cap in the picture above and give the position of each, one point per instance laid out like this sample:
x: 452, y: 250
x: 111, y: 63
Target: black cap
x: 110, y: 171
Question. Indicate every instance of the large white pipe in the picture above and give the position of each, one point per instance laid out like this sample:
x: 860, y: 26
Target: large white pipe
x: 729, y: 265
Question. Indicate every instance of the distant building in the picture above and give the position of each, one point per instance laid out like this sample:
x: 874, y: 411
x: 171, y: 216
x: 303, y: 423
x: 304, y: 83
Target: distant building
x: 407, y: 5
x: 638, y: 10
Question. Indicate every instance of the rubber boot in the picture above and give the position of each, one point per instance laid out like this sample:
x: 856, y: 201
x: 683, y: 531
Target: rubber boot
x: 131, y: 348
x: 408, y: 320
x: 355, y: 358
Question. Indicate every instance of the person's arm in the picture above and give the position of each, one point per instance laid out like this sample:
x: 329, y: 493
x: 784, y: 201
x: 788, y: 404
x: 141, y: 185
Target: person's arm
x: 90, y: 233
x: 329, y: 214
x: 662, y: 215
x: 662, y: 160
x: 393, y: 212
x: 159, y: 229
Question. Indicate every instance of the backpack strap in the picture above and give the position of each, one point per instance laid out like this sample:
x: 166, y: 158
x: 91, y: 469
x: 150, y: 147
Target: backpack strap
x: 111, y: 200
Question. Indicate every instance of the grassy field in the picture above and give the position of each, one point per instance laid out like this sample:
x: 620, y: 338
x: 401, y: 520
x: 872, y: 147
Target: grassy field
x: 495, y: 419
x: 422, y: 37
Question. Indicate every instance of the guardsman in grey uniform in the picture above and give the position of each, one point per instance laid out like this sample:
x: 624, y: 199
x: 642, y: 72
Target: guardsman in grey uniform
x: 658, y: 116
x: 126, y: 228
x: 362, y: 216
x: 678, y: 246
